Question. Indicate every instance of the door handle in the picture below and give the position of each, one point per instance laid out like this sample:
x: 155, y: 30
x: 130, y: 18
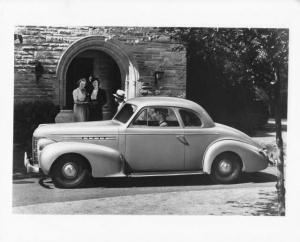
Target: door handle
x: 182, y: 139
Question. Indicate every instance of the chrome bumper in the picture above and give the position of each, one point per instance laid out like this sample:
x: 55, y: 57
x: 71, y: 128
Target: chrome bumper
x: 30, y: 167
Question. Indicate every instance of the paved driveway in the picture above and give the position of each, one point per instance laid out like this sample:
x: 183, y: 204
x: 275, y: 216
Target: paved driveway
x: 106, y: 196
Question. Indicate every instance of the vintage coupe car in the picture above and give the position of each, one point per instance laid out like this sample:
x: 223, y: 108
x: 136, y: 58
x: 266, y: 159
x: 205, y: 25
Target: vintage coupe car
x: 149, y: 136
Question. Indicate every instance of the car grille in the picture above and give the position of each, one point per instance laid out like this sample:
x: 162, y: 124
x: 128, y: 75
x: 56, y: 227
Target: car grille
x: 34, y: 150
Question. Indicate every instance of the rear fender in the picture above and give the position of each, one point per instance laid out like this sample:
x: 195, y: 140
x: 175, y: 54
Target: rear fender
x: 103, y: 160
x: 251, y: 156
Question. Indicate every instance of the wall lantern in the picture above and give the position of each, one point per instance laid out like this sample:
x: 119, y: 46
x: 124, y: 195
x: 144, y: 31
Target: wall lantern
x: 39, y: 70
x: 158, y: 75
x: 18, y: 37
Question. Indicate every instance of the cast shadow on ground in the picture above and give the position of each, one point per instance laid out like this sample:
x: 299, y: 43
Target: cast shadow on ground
x: 23, y: 182
x: 46, y: 183
x: 267, y: 207
x: 185, y: 180
x: 163, y: 181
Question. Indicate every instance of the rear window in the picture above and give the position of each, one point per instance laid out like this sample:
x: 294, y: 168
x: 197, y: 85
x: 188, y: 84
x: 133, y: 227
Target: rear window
x: 189, y: 118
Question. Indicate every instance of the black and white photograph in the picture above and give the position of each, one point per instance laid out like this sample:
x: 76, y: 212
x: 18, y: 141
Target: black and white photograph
x: 189, y: 122
x: 122, y: 112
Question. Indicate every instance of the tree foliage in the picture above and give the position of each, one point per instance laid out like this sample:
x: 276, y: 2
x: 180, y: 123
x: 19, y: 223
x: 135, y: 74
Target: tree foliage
x: 254, y: 62
x: 244, y: 55
x: 234, y: 67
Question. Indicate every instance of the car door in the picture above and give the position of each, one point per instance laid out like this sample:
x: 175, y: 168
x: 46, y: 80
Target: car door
x: 197, y: 139
x: 150, y: 147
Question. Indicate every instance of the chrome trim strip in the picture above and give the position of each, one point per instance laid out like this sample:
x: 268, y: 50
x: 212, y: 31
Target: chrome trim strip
x: 162, y: 133
x: 80, y: 137
x: 175, y: 173
x: 98, y: 138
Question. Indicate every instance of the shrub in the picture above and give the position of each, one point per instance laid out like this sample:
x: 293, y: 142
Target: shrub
x: 27, y: 117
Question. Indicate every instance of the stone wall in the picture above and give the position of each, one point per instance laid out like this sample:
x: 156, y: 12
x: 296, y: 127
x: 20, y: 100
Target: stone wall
x: 151, y: 50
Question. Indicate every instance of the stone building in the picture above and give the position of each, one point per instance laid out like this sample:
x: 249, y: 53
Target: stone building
x: 50, y: 60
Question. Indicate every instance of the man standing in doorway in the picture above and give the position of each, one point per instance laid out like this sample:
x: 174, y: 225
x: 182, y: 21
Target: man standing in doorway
x: 119, y: 98
x: 89, y: 85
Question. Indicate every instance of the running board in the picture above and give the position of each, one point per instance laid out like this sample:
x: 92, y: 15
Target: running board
x: 173, y: 173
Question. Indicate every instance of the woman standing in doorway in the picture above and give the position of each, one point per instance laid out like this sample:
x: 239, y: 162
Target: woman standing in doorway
x: 80, y: 102
x: 98, y: 99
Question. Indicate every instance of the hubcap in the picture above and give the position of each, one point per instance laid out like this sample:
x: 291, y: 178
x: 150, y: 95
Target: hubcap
x: 69, y: 170
x: 225, y: 166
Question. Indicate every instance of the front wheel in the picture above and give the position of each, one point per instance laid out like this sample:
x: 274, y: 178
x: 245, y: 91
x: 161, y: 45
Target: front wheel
x: 226, y: 168
x: 70, y: 171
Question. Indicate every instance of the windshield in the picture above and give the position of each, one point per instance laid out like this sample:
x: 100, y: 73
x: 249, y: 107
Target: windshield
x: 125, y: 113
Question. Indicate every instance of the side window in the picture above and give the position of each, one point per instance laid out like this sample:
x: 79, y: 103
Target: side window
x: 156, y: 117
x: 141, y: 119
x: 171, y: 118
x: 189, y: 118
x: 162, y: 117
x: 125, y: 113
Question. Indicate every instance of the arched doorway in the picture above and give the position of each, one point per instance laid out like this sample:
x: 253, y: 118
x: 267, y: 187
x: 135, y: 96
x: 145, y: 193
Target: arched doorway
x: 98, y: 64
x: 106, y: 59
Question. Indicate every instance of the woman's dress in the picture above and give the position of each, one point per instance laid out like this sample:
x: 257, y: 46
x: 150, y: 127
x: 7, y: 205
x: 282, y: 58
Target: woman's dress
x: 97, y: 101
x: 80, y: 109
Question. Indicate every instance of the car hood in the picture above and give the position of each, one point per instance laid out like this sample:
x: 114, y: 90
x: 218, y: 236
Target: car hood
x: 95, y: 127
x: 229, y: 132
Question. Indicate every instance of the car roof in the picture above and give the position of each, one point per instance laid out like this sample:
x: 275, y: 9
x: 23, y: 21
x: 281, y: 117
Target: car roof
x: 173, y: 102
x: 167, y: 101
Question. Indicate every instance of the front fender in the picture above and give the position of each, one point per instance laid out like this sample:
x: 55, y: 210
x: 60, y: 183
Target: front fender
x: 251, y: 156
x: 104, y: 161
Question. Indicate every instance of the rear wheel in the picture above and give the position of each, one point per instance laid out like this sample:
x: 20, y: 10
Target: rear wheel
x: 226, y: 168
x: 70, y: 171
